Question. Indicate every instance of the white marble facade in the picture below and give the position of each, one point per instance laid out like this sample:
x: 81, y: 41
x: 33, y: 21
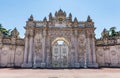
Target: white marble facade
x: 57, y: 42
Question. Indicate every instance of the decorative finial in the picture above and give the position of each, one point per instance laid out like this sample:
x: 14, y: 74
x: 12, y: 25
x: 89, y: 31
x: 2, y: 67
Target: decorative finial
x: 75, y: 19
x: 60, y: 13
x: 60, y: 10
x: 45, y: 19
x: 70, y: 16
x: 89, y: 19
x: 15, y: 33
x: 75, y: 22
x: 56, y: 13
x: 65, y: 13
x: 50, y: 16
x: 105, y: 33
x: 31, y: 18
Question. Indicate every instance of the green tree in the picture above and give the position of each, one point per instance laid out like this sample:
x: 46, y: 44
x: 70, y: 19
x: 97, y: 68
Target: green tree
x: 112, y: 32
x: 4, y: 30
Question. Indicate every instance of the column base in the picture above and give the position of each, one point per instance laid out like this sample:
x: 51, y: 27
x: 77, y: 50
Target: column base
x: 27, y: 65
x: 43, y: 65
x: 10, y: 65
x: 77, y: 65
x: 37, y: 65
x: 83, y: 65
x: 92, y: 65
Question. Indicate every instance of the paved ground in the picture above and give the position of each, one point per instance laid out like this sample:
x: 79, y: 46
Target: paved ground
x: 60, y: 73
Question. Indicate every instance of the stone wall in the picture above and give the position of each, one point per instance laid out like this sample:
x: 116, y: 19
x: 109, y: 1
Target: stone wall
x: 108, y: 52
x: 11, y: 50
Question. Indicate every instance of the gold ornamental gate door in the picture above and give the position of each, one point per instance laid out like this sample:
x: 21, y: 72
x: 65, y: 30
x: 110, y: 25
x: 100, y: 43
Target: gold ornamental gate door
x: 60, y: 55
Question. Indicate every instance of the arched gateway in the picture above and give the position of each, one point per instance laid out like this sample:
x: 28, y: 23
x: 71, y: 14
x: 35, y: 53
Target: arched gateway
x: 60, y: 50
x: 59, y: 42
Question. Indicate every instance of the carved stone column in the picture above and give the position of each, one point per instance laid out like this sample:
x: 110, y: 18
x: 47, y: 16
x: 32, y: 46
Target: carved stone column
x: 88, y: 58
x: 72, y: 55
x: 91, y: 51
x: 94, y: 53
x: 30, y: 54
x: 85, y: 59
x: 30, y: 51
x: 43, y: 49
x: 26, y: 54
x: 76, y: 49
x: 26, y: 50
x: 48, y: 60
x: 35, y: 65
x: 76, y: 46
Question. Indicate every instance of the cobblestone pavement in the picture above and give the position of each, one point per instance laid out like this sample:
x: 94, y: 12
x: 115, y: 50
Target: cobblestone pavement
x: 60, y: 73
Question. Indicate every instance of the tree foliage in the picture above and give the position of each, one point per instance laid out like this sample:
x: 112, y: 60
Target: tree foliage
x: 113, y: 32
x: 4, y: 31
x: 110, y: 33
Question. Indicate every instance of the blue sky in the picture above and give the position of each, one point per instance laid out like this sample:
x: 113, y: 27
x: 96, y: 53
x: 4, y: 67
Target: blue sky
x: 105, y: 13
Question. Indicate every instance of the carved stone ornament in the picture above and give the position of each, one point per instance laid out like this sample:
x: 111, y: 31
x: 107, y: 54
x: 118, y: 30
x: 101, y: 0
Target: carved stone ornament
x: 113, y: 53
x: 105, y: 33
x: 106, y: 48
x: 4, y: 52
x: 12, y: 47
x: 18, y: 53
x: 15, y: 33
x: 100, y: 53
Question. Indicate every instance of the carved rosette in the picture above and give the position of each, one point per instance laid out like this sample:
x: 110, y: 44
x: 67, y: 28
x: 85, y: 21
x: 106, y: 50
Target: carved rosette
x: 113, y: 53
x: 18, y: 53
x: 4, y: 52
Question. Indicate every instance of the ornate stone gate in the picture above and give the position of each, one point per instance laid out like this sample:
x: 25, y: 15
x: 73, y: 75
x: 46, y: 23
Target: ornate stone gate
x: 59, y: 42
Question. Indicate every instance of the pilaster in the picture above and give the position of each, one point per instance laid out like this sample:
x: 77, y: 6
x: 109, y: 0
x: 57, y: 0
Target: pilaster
x: 88, y: 57
x: 76, y: 49
x: 26, y: 50
x: 30, y: 50
x: 43, y: 64
x: 94, y: 53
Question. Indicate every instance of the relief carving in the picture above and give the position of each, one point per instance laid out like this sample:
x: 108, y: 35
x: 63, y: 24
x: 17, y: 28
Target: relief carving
x: 18, y: 53
x: 12, y: 47
x: 4, y: 52
x: 82, y: 48
x: 113, y: 53
x: 100, y: 53
x: 81, y: 40
x: 106, y: 48
x: 38, y: 47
